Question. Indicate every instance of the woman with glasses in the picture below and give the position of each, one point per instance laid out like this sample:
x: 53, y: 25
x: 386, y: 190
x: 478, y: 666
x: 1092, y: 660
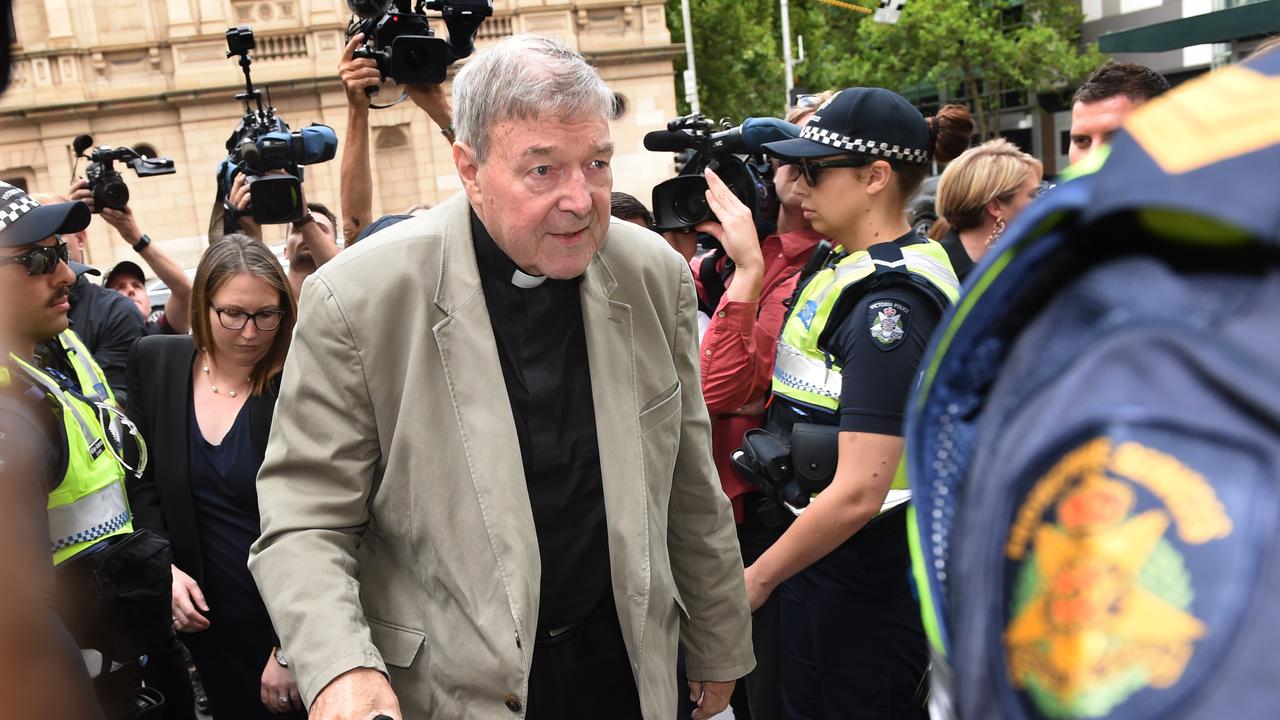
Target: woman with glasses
x: 979, y: 194
x: 204, y: 405
x: 852, y: 641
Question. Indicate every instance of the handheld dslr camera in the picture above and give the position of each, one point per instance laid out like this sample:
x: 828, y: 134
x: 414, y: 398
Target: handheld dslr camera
x: 262, y: 143
x: 734, y: 153
x: 401, y: 40
x: 107, y: 185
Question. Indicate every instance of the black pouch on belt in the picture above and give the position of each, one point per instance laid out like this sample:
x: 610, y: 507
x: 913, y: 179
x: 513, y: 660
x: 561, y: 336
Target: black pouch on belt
x: 133, y: 580
x: 764, y: 461
x: 815, y: 451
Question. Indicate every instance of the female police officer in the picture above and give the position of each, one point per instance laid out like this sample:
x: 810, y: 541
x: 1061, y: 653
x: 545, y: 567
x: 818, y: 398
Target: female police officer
x: 852, y: 642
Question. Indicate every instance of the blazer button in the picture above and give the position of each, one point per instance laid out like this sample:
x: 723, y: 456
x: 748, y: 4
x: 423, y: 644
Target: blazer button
x: 513, y: 703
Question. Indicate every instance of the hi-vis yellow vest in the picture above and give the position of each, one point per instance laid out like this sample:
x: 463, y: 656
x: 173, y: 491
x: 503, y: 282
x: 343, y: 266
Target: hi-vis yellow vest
x: 89, y: 504
x: 802, y: 372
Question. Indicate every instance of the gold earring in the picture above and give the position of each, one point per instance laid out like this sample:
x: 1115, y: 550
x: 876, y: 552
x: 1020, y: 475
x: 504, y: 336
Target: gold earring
x: 995, y: 232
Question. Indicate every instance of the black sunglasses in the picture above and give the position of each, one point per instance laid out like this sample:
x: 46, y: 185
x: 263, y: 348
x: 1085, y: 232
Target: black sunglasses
x: 810, y: 169
x: 41, y: 259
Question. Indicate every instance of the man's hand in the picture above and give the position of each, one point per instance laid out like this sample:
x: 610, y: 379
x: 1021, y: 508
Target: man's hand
x: 124, y: 223
x: 712, y: 697
x: 360, y: 694
x: 80, y: 191
x: 357, y: 74
x: 239, y: 199
x: 431, y: 98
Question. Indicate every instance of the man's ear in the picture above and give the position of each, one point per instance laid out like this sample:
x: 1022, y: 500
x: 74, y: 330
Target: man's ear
x: 468, y: 170
x: 879, y: 175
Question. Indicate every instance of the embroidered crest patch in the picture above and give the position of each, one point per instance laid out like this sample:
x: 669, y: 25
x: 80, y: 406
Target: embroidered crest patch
x: 1105, y: 607
x: 887, y: 323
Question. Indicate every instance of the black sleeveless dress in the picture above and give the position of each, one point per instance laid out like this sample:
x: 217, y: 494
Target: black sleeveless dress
x: 231, y: 654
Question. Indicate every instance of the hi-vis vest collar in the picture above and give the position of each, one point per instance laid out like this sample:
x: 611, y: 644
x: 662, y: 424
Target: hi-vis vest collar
x: 802, y: 372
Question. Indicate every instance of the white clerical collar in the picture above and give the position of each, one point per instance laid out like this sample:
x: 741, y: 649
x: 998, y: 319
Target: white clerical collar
x: 525, y: 281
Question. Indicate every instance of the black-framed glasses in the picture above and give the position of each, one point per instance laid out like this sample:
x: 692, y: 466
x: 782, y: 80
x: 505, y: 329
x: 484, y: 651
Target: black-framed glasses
x: 810, y: 169
x: 264, y: 320
x: 41, y: 259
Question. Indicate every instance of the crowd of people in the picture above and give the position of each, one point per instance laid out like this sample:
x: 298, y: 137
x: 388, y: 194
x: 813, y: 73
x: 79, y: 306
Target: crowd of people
x: 506, y: 456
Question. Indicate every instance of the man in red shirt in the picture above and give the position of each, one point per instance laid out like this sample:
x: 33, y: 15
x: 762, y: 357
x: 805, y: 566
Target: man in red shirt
x: 737, y: 366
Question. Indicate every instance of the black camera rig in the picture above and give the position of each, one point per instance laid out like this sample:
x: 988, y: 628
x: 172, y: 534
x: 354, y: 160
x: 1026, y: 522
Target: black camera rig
x: 399, y: 37
x: 262, y: 143
x: 106, y: 184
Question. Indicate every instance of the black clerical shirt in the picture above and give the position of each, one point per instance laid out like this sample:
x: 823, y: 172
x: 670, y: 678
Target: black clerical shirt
x: 543, y: 350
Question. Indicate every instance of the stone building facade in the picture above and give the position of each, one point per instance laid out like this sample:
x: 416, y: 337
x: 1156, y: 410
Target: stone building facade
x: 153, y: 75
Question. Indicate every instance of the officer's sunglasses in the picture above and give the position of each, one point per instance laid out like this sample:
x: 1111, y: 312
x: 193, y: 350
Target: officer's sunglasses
x: 41, y: 259
x: 810, y: 169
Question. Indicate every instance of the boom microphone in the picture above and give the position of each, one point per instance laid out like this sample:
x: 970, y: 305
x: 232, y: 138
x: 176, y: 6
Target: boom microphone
x: 669, y: 141
x: 369, y: 8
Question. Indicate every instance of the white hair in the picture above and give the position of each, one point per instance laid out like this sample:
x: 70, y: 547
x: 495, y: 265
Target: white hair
x: 525, y: 77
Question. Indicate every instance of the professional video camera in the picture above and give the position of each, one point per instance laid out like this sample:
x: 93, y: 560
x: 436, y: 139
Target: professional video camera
x: 109, y: 190
x: 402, y: 42
x: 734, y: 153
x: 262, y: 143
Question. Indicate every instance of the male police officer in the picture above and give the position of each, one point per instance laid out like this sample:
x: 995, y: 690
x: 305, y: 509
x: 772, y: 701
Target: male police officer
x: 88, y: 514
x: 1093, y: 450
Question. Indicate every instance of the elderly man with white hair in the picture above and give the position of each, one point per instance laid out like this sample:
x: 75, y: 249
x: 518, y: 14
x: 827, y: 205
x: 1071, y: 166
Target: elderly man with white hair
x: 489, y: 491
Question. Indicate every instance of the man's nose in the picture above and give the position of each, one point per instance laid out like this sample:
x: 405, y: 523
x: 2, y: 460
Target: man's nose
x: 576, y: 197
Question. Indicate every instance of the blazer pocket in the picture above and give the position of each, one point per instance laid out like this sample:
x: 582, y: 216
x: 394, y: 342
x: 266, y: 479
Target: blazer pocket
x: 397, y: 644
x: 660, y: 408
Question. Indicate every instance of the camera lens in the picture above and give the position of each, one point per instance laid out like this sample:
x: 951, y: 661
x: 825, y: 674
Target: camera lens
x: 692, y: 208
x: 113, y: 193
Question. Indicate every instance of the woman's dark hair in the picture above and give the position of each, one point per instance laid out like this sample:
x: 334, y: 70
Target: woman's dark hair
x: 224, y: 259
x: 952, y: 131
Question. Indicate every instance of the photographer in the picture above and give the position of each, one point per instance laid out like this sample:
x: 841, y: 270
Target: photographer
x: 310, y: 242
x: 356, y: 184
x: 127, y: 279
x: 758, y: 277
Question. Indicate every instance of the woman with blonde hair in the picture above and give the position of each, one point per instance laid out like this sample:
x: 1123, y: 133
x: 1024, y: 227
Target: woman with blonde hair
x: 204, y: 405
x: 979, y: 194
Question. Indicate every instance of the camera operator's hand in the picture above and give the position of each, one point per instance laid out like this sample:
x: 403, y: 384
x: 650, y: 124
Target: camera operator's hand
x: 736, y: 232
x: 80, y: 191
x: 431, y: 98
x: 124, y: 223
x: 357, y: 73
x: 239, y: 199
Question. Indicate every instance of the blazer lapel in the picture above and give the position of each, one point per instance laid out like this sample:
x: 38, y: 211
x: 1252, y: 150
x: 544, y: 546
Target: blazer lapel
x: 473, y: 375
x: 608, y: 325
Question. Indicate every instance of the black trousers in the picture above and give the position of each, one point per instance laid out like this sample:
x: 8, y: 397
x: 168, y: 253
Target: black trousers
x: 584, y: 672
x: 853, y: 644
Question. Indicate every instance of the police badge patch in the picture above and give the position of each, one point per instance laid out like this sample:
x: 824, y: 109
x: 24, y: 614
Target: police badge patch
x: 887, y: 323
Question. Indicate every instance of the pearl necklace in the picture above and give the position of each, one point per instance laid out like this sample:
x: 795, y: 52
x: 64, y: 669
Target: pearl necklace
x: 214, y: 388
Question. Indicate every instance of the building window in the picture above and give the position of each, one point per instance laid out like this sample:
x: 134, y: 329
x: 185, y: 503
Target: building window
x: 18, y: 182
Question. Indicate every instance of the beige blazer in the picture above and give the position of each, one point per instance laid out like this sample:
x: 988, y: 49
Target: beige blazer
x: 396, y: 527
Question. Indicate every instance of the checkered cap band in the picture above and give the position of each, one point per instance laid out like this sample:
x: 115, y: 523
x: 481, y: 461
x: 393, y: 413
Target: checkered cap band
x: 14, y: 203
x: 866, y: 147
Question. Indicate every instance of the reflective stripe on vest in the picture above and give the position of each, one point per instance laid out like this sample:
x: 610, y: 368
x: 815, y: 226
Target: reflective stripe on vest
x: 88, y: 373
x: 89, y: 504
x: 802, y: 372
